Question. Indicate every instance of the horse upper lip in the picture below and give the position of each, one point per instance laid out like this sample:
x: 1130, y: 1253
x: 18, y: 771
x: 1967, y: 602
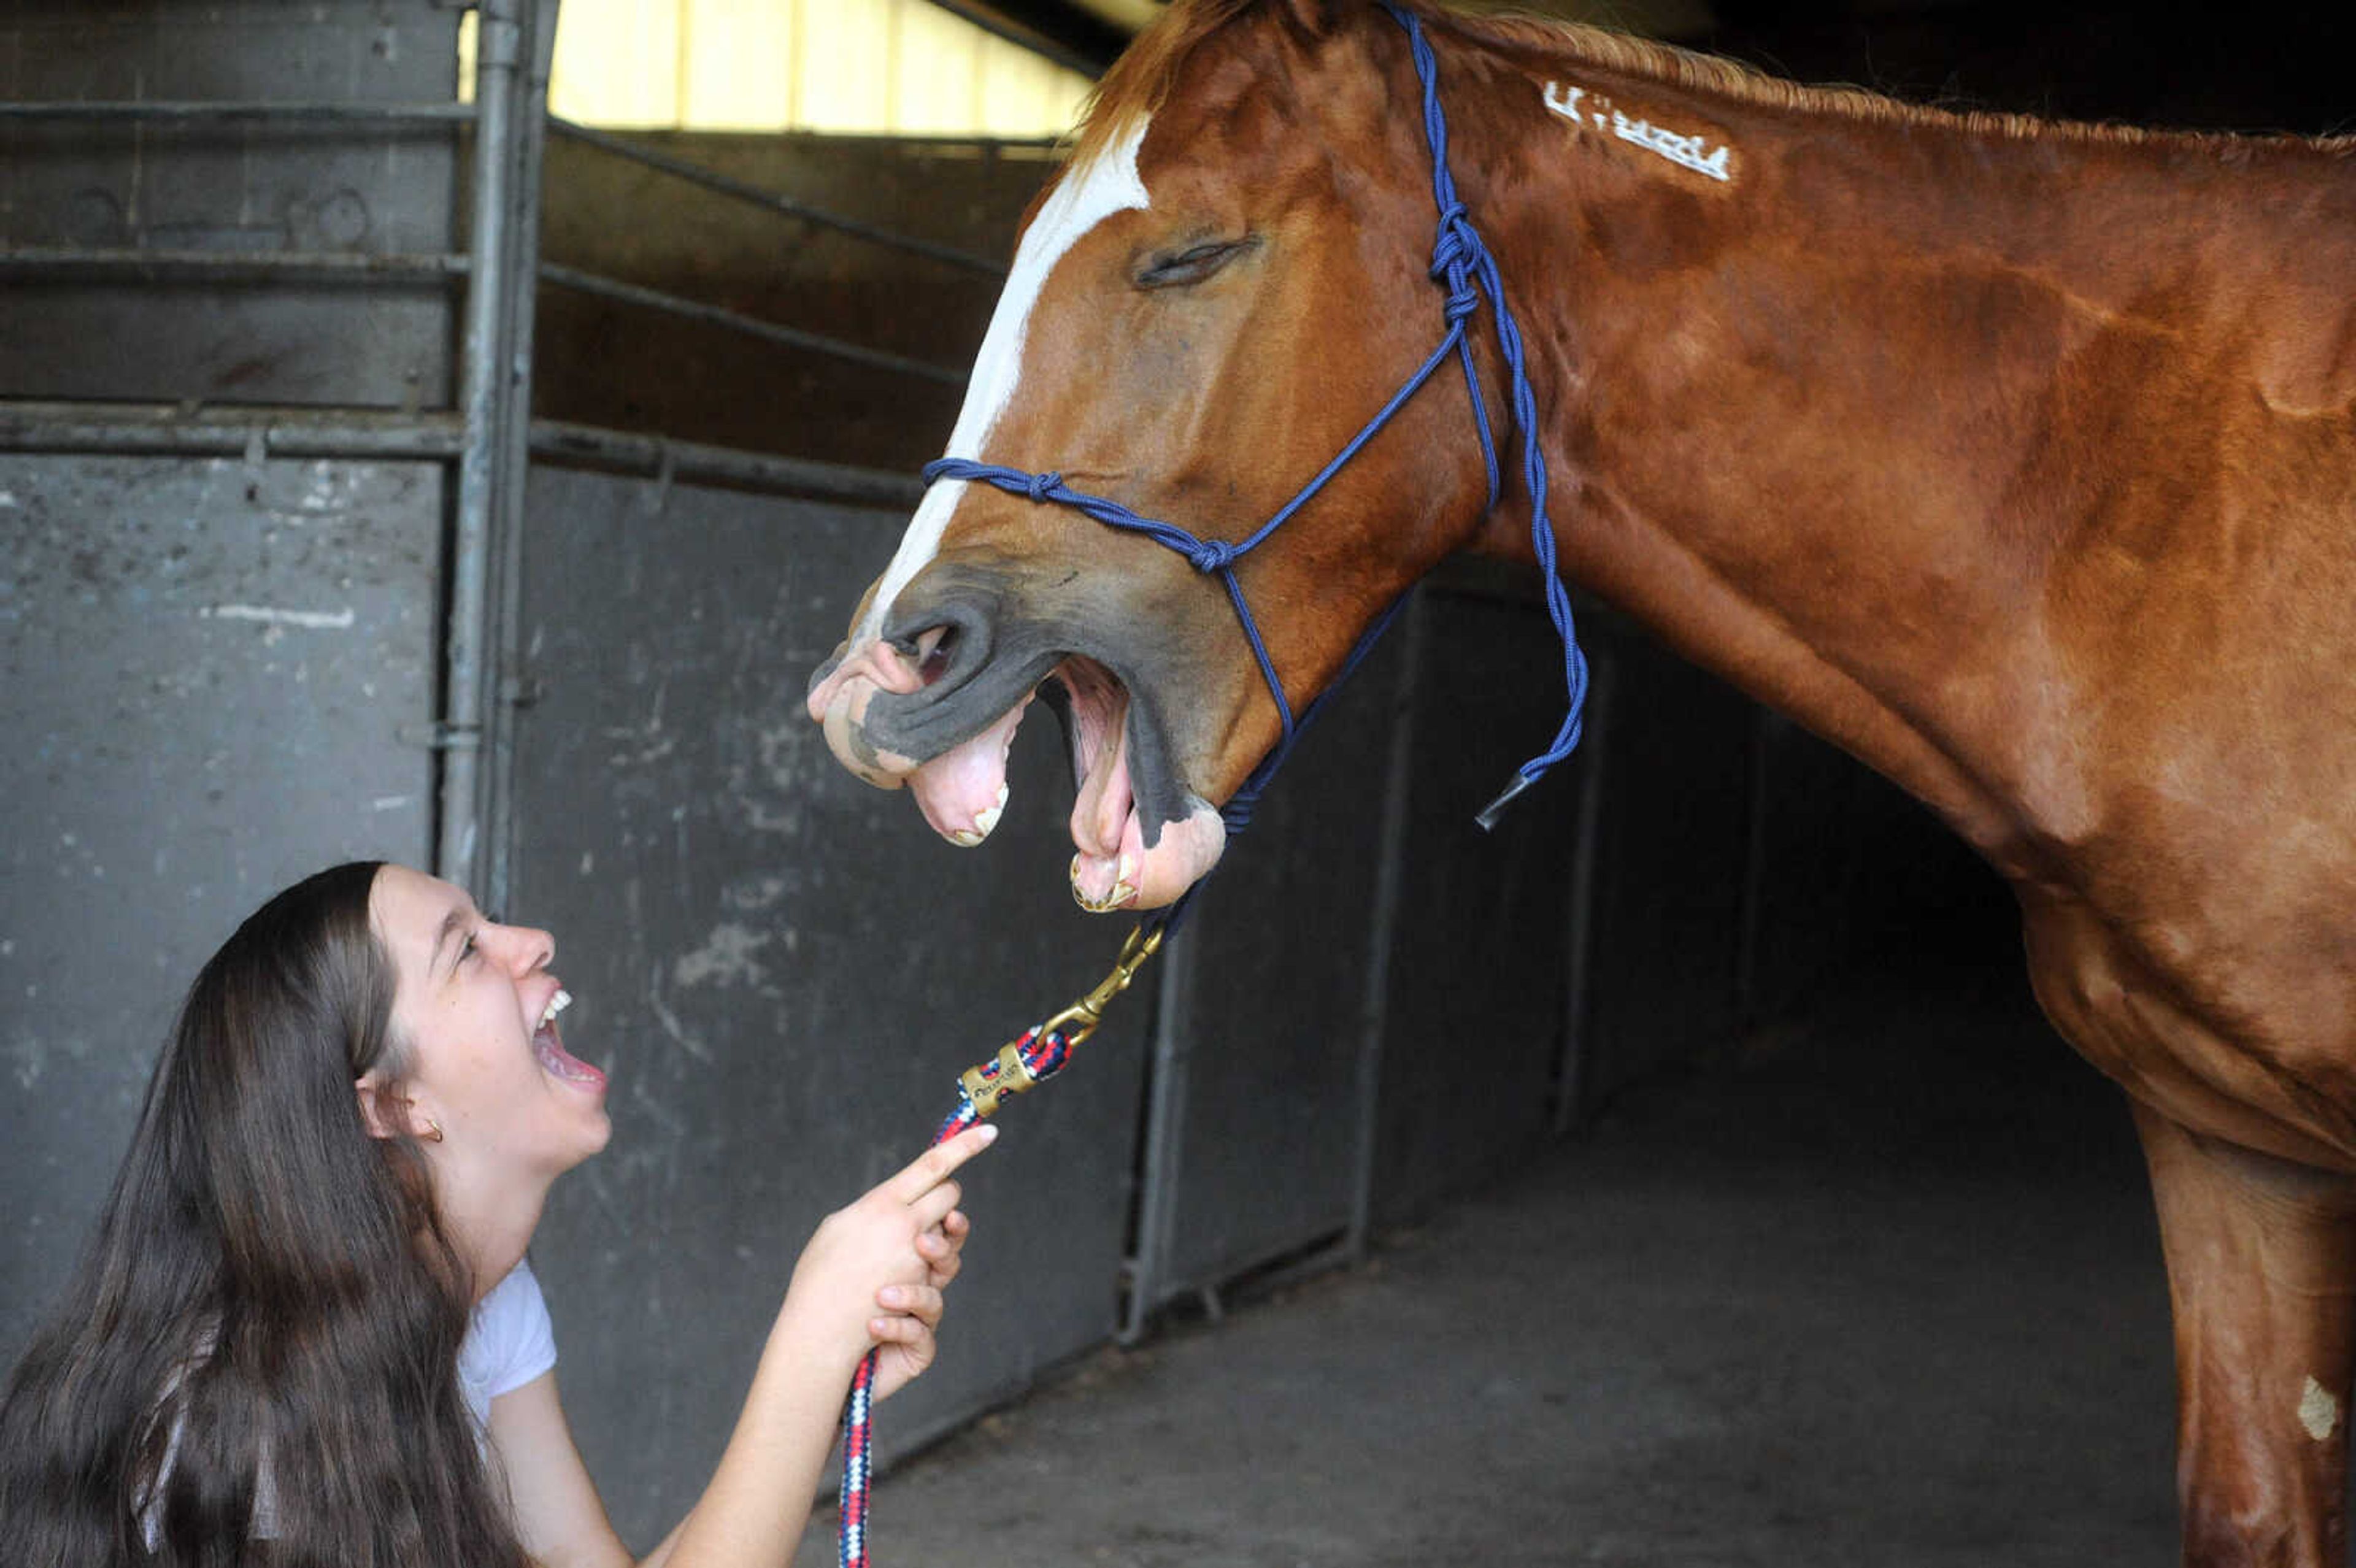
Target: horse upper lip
x: 922, y: 724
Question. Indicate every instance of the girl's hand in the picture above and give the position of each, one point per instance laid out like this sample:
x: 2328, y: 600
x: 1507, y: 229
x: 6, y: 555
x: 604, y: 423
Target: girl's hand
x: 874, y: 1273
x: 912, y: 1312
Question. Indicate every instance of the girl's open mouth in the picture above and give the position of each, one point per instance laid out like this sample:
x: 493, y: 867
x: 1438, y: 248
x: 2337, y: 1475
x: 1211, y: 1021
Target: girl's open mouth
x: 549, y: 1045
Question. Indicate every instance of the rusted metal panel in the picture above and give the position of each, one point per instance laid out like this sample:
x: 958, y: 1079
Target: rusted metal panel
x: 210, y: 666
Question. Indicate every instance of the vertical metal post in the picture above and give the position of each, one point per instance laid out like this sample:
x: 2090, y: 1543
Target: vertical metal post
x: 1165, y: 1120
x: 466, y: 674
x: 1374, y: 1012
x: 1572, y: 1069
x: 527, y: 163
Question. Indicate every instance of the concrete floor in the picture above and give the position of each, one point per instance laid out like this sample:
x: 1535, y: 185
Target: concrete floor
x: 1881, y: 1290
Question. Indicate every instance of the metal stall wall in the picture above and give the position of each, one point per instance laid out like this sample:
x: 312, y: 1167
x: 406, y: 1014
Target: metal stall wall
x: 1675, y: 841
x: 220, y: 669
x: 1266, y: 1034
x: 254, y: 259
x: 1473, y: 1014
x: 785, y: 970
x: 922, y: 301
x: 217, y: 673
x: 1378, y: 1005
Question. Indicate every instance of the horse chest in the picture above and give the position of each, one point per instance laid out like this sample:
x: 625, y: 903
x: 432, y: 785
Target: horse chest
x: 2232, y: 1045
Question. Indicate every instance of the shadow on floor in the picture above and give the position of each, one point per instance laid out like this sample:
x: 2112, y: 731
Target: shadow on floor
x: 1882, y: 1289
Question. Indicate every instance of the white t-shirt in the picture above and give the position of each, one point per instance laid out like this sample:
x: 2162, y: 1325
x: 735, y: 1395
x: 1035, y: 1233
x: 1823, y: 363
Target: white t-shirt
x: 510, y: 1341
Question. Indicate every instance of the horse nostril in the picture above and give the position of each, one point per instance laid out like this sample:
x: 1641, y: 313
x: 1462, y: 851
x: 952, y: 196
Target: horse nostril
x: 934, y: 650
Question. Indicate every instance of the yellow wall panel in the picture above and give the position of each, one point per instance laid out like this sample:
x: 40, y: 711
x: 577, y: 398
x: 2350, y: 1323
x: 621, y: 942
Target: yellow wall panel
x: 902, y: 67
x: 938, y: 74
x: 617, y: 62
x: 738, y: 67
x: 1021, y: 89
x: 845, y: 69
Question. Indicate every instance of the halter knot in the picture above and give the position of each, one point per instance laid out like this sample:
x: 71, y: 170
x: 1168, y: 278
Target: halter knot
x: 1454, y: 254
x: 1036, y: 485
x: 1212, y: 555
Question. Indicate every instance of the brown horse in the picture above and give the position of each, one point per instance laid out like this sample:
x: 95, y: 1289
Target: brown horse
x: 2019, y: 459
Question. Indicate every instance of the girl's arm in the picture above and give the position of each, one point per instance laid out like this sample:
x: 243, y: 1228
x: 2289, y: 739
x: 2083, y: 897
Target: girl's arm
x: 872, y: 1276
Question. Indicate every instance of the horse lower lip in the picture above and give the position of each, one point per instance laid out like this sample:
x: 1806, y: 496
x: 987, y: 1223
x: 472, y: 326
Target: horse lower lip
x: 961, y: 790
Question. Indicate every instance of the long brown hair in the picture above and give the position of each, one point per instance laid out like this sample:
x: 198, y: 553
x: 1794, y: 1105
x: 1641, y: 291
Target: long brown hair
x: 269, y: 1293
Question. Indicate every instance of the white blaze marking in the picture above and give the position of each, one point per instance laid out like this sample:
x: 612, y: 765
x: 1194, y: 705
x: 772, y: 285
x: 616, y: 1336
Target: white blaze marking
x: 1108, y: 184
x: 1688, y: 152
x: 2319, y: 1412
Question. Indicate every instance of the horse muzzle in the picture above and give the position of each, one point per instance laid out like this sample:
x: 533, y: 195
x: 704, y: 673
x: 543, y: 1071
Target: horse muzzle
x: 934, y: 700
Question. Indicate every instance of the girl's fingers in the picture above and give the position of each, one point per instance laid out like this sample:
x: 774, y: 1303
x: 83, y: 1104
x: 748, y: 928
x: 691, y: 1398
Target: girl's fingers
x: 919, y: 1301
x: 900, y: 1329
x: 944, y: 1239
x: 936, y: 1206
x: 933, y: 1166
x: 941, y: 1248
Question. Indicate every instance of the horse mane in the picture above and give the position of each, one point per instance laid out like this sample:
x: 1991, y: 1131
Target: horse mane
x: 1142, y: 79
x: 1722, y: 78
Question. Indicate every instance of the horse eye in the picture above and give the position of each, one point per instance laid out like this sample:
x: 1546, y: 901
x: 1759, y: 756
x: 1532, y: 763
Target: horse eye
x: 1191, y: 265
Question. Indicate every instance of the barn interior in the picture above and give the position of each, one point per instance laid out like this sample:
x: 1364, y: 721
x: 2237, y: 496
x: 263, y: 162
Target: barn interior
x: 1680, y: 1175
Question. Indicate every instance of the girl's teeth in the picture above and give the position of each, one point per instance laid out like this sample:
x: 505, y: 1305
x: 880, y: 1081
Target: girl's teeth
x: 556, y: 1004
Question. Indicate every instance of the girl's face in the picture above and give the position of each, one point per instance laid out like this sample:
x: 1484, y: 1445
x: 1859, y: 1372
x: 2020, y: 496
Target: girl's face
x: 475, y: 1004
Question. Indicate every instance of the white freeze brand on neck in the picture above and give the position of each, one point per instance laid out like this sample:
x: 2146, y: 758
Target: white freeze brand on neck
x: 1110, y: 183
x: 1583, y: 109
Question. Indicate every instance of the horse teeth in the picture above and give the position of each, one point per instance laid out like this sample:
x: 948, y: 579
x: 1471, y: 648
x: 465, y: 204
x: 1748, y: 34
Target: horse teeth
x: 985, y: 822
x: 1121, y: 893
x: 967, y: 837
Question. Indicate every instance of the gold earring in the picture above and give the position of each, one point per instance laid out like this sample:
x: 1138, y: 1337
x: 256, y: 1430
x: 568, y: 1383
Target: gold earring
x: 433, y: 1131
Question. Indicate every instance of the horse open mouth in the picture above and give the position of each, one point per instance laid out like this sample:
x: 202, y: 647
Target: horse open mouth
x: 1121, y: 861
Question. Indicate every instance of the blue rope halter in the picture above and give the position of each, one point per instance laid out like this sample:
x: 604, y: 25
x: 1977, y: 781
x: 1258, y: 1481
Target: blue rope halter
x: 1459, y: 260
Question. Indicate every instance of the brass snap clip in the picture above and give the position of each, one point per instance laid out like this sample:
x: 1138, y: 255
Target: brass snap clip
x: 1013, y: 1076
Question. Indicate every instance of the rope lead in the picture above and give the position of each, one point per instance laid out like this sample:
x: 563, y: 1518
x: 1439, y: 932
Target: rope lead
x: 1021, y: 1064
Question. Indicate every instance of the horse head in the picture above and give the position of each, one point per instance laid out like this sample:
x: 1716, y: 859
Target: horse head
x: 1231, y: 274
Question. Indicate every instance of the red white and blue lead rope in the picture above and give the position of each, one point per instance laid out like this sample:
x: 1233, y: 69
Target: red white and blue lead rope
x: 1045, y: 1052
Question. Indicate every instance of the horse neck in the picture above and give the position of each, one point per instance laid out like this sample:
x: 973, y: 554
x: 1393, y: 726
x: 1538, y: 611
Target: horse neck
x: 1822, y: 423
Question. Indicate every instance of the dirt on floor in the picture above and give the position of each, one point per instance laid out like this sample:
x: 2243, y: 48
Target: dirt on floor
x: 1879, y: 1289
